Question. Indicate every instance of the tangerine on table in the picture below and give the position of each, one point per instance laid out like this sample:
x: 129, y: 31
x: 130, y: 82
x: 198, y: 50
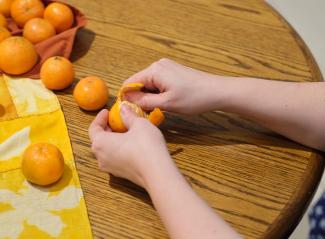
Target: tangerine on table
x: 91, y: 93
x: 57, y: 73
x: 17, y: 55
x: 115, y: 121
x: 23, y: 10
x: 5, y: 7
x: 60, y: 16
x: 4, y: 33
x: 38, y: 29
x: 42, y: 164
x: 3, y: 21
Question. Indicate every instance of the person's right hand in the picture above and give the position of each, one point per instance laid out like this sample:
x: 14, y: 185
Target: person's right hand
x: 180, y: 89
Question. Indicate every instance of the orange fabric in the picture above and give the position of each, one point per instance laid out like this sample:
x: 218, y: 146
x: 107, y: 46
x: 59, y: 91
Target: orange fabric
x: 58, y: 45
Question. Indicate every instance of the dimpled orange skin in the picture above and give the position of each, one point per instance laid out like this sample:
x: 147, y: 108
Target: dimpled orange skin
x: 37, y: 30
x: 60, y: 16
x: 42, y: 164
x: 3, y: 21
x: 115, y: 121
x: 91, y: 93
x: 4, y: 34
x: 5, y: 7
x: 17, y: 55
x: 57, y: 73
x: 23, y: 10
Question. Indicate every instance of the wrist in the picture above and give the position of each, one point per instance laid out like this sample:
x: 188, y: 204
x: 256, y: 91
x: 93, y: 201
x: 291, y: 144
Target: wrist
x: 216, y: 92
x: 160, y: 170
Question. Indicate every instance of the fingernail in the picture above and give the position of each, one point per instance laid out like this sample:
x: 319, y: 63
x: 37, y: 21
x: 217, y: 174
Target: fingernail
x: 125, y: 109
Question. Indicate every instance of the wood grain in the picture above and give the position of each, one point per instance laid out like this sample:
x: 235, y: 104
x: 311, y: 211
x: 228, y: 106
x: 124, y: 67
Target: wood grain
x: 258, y: 181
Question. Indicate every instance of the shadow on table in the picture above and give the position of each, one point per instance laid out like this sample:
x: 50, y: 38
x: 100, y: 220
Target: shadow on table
x: 214, y: 128
x: 218, y: 128
x: 82, y: 43
x: 130, y: 188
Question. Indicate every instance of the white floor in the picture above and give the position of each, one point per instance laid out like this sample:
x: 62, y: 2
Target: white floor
x: 308, y: 18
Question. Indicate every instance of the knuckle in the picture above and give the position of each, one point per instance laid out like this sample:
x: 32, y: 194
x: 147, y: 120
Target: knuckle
x: 145, y: 102
x: 95, y: 146
x: 101, y: 165
x: 166, y: 102
x: 157, y: 66
x: 164, y: 61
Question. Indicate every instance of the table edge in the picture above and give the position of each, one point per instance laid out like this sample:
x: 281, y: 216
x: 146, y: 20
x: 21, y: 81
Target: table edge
x: 292, y: 213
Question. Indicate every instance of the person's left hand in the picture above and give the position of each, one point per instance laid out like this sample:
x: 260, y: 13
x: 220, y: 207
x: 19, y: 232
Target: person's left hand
x: 131, y: 155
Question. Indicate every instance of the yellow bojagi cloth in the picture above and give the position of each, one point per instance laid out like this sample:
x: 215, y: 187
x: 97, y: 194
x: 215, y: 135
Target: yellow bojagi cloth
x: 29, y: 113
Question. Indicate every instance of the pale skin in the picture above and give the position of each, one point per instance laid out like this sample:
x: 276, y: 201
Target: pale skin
x: 295, y: 110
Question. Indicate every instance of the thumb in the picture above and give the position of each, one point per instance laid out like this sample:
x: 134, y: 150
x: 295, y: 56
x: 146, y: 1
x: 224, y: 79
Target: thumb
x: 128, y: 115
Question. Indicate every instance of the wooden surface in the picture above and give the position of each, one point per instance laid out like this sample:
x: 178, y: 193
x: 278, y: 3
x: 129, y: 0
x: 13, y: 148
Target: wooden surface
x: 258, y: 181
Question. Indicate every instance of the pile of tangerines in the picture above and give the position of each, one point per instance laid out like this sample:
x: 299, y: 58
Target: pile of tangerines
x: 43, y: 163
x: 39, y: 23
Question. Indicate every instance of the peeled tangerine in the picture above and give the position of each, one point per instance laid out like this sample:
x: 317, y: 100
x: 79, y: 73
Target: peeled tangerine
x: 115, y: 120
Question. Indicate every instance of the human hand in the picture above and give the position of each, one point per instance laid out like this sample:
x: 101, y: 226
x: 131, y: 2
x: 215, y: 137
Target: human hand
x: 180, y: 89
x: 133, y: 155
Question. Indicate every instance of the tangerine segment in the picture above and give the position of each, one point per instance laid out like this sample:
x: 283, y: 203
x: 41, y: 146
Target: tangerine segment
x: 156, y: 116
x: 42, y: 164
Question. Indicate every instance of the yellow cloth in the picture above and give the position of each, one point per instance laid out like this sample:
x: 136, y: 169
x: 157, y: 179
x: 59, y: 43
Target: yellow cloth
x: 29, y: 113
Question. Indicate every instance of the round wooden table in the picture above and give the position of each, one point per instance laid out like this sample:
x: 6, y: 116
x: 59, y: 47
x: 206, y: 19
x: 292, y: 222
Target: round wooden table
x: 257, y: 180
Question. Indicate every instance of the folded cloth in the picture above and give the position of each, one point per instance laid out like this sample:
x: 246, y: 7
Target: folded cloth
x: 29, y: 113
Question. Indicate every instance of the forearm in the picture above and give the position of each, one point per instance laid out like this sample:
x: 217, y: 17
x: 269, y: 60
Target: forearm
x: 295, y: 110
x: 182, y: 211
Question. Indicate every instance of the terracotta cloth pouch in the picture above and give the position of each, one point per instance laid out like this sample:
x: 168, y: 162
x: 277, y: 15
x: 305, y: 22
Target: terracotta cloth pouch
x: 58, y: 45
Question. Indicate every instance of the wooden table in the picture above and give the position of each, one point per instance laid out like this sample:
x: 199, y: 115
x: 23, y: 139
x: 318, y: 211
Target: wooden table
x: 258, y: 181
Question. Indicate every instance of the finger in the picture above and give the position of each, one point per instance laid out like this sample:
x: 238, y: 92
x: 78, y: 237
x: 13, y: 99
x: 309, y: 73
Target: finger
x: 145, y: 77
x: 99, y: 124
x: 147, y: 101
x: 128, y: 115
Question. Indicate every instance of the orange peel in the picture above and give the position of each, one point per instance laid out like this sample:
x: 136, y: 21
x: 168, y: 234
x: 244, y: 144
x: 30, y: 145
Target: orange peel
x: 115, y: 121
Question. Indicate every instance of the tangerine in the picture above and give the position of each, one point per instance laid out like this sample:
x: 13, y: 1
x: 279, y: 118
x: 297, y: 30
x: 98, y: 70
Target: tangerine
x: 57, y: 73
x: 91, y: 93
x: 42, y: 164
x: 38, y: 29
x: 4, y: 33
x: 23, y: 10
x: 115, y: 121
x: 17, y: 55
x: 5, y: 7
x: 60, y: 16
x: 3, y: 21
